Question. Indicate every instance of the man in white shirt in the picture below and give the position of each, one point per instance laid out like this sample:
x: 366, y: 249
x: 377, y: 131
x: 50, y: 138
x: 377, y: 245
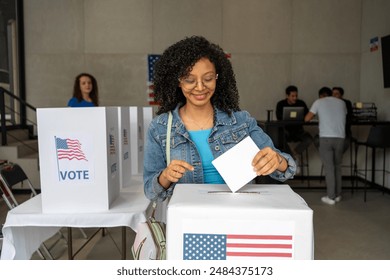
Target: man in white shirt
x: 331, y: 113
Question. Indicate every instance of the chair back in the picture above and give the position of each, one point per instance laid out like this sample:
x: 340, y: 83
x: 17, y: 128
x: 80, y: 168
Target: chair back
x: 12, y: 175
x: 379, y: 136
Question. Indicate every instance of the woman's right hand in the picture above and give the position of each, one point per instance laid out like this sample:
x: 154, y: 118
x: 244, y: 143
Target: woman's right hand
x: 173, y: 172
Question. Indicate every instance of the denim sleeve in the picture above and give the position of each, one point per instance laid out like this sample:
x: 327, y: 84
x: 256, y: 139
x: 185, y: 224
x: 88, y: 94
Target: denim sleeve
x: 156, y: 192
x: 263, y: 140
x: 154, y: 163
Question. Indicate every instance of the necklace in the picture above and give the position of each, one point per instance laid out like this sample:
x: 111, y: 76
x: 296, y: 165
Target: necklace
x: 202, y: 125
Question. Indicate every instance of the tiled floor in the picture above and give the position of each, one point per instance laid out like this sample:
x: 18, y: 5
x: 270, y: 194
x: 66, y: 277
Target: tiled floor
x: 350, y: 230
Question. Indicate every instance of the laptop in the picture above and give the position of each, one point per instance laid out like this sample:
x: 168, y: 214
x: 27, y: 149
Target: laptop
x: 293, y: 113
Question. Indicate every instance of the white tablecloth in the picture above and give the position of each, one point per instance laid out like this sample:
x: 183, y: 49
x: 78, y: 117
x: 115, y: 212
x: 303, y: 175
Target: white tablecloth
x: 26, y: 227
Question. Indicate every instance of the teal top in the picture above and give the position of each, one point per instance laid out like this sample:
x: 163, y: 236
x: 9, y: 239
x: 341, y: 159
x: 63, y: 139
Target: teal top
x: 211, y: 175
x: 73, y: 102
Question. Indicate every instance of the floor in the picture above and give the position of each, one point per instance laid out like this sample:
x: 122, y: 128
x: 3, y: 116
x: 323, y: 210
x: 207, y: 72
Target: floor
x: 350, y: 230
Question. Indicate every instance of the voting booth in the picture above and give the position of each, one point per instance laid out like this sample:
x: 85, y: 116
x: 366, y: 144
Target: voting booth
x: 138, y: 119
x: 209, y: 222
x: 79, y: 158
x: 147, y: 118
x: 124, y: 147
x: 137, y: 140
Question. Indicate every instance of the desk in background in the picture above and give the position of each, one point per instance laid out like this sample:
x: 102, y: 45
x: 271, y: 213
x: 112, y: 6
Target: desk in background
x: 275, y: 129
x: 26, y: 227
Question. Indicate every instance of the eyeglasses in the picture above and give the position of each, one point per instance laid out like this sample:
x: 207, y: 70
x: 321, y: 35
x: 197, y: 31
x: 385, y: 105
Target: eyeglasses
x: 190, y: 83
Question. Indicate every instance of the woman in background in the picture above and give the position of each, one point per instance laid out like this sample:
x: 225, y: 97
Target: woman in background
x: 85, y: 91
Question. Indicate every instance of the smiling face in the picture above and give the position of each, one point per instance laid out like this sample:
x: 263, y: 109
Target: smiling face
x: 199, y: 86
x: 85, y: 85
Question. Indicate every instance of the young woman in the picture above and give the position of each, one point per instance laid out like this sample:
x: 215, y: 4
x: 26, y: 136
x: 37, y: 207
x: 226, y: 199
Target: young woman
x: 195, y: 81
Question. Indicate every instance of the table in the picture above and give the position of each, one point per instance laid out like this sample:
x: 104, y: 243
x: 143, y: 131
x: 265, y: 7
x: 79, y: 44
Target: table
x: 26, y: 227
x: 260, y: 221
x: 275, y: 129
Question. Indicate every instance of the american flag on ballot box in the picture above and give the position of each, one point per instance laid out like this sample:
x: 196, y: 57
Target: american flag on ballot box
x: 198, y: 246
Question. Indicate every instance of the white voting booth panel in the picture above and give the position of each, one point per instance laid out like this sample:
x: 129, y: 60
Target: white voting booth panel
x: 137, y: 141
x: 139, y: 120
x: 147, y: 119
x: 209, y: 222
x: 79, y: 158
x: 124, y: 147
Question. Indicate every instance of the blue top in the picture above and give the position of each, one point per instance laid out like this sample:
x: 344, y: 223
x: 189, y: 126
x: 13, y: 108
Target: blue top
x: 74, y: 102
x: 211, y: 175
x: 228, y: 131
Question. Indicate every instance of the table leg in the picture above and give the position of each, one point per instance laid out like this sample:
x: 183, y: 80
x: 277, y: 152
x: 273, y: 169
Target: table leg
x: 124, y: 243
x: 70, y: 244
x: 373, y: 167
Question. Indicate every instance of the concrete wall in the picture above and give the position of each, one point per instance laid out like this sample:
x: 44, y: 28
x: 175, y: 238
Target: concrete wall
x: 274, y: 43
x: 375, y: 23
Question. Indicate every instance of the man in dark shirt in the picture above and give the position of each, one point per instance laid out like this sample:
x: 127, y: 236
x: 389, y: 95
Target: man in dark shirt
x: 295, y: 132
x: 338, y: 92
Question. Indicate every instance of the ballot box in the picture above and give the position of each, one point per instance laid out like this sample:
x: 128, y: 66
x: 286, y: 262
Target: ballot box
x: 209, y: 222
x: 79, y: 158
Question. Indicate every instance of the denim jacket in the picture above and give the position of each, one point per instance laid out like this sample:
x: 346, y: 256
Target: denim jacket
x: 226, y: 133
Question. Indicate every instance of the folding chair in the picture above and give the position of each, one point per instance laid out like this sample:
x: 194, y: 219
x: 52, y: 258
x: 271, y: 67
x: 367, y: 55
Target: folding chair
x: 12, y: 175
x: 1, y: 238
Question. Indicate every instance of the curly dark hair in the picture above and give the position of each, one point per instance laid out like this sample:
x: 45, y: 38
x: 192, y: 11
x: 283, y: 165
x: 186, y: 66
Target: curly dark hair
x: 94, y: 95
x: 177, y: 62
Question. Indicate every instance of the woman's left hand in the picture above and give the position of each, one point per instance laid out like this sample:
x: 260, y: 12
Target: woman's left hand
x: 267, y: 161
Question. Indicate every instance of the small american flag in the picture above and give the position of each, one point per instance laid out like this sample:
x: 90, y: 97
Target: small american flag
x: 69, y: 149
x: 234, y: 246
x: 125, y: 137
x: 112, y: 144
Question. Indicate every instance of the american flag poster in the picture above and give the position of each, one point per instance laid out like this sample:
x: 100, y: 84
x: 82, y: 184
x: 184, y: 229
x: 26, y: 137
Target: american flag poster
x: 152, y: 58
x: 240, y: 240
x: 69, y: 149
x: 374, y: 44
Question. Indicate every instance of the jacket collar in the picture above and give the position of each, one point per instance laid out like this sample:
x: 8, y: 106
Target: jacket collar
x: 221, y: 118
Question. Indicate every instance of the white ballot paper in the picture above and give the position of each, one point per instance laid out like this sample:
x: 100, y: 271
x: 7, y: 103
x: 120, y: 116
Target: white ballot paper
x: 235, y: 166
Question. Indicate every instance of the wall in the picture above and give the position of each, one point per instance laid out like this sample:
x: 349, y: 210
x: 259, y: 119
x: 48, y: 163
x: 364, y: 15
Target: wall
x: 375, y: 23
x: 273, y: 43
